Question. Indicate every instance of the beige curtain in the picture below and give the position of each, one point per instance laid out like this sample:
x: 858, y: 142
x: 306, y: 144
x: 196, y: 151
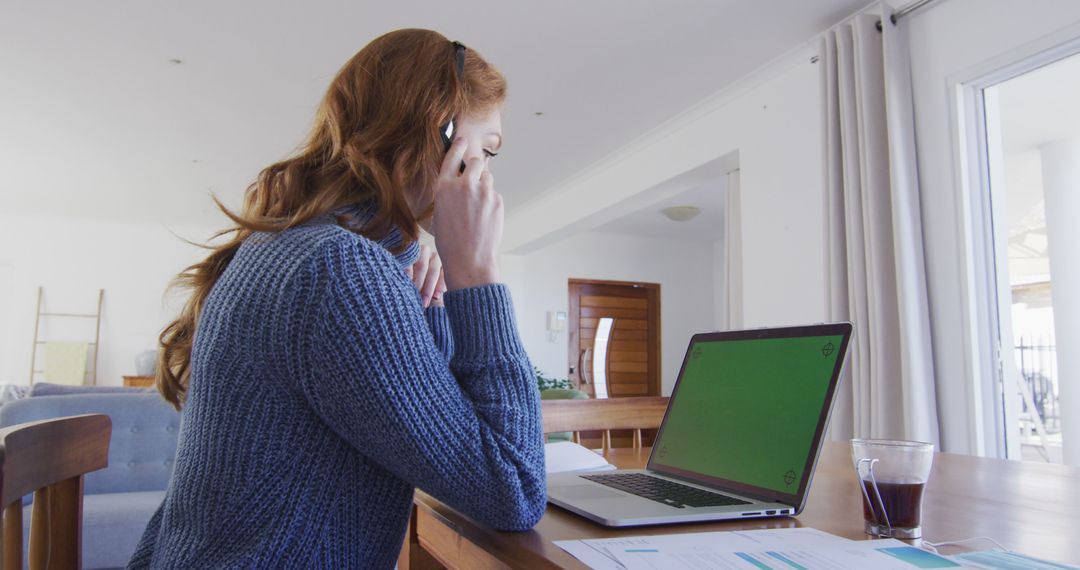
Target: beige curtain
x: 877, y: 276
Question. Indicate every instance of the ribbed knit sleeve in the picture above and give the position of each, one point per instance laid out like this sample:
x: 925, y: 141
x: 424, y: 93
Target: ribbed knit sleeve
x: 440, y: 330
x: 468, y: 433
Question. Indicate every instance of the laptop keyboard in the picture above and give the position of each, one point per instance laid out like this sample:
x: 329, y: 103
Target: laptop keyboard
x: 663, y: 491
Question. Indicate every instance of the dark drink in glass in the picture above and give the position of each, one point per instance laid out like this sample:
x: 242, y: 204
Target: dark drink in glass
x: 902, y: 502
x: 892, y: 476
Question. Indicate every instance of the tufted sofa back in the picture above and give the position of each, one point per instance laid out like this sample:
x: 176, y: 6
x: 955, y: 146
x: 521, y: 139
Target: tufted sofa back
x: 144, y: 432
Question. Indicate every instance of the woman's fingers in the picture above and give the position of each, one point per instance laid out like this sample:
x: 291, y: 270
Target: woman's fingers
x: 420, y: 268
x: 427, y: 274
x: 449, y: 169
x: 431, y: 280
x: 440, y: 288
x: 474, y: 169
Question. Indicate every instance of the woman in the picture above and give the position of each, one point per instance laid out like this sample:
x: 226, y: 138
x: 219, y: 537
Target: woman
x: 319, y: 384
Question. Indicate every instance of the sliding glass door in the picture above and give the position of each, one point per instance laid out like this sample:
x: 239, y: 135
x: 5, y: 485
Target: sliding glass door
x: 1032, y: 160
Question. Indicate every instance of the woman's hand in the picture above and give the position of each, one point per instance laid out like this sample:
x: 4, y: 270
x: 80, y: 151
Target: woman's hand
x: 427, y: 275
x: 468, y: 220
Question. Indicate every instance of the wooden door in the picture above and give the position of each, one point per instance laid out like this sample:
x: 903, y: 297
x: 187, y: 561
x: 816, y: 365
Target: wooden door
x: 631, y: 355
x: 632, y: 363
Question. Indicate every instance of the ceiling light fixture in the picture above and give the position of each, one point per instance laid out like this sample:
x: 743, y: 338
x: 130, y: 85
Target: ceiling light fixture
x: 681, y: 213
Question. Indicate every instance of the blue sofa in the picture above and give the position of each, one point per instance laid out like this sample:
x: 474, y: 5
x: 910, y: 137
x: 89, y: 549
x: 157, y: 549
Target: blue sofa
x: 119, y: 500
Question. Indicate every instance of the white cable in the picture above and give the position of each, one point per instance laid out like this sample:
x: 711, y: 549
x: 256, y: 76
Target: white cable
x: 933, y: 546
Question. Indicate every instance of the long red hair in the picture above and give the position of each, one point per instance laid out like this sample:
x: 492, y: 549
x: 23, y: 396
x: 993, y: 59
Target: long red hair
x: 375, y: 137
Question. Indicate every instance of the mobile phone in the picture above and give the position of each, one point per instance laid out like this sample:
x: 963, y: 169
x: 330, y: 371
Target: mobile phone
x: 447, y: 133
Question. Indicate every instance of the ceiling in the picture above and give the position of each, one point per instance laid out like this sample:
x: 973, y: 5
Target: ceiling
x: 707, y: 226
x: 96, y: 120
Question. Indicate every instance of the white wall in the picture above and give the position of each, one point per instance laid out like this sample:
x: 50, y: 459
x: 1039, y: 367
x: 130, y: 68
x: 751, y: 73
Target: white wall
x: 72, y: 259
x: 720, y: 296
x: 949, y: 38
x: 772, y: 121
x: 683, y: 269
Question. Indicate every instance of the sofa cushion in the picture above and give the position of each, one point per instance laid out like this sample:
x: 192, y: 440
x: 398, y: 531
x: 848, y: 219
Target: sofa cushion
x: 113, y: 523
x: 143, y: 443
x: 47, y: 389
x: 10, y: 392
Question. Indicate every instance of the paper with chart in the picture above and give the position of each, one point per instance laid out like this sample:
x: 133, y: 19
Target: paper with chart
x: 773, y: 549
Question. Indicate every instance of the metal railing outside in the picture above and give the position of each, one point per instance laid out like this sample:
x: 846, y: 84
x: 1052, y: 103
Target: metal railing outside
x: 1037, y: 361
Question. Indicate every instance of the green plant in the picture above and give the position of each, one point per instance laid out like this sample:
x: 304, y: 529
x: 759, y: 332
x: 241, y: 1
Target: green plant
x: 546, y: 383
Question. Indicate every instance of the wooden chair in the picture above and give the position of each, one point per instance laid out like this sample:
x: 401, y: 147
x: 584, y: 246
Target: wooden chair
x: 604, y: 415
x: 49, y: 458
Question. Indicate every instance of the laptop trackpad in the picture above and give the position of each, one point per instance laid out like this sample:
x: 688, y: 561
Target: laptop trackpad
x: 575, y: 492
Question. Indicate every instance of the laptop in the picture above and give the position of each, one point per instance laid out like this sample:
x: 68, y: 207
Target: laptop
x: 740, y: 438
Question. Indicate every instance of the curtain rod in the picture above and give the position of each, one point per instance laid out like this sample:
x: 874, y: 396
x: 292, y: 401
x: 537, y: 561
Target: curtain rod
x: 904, y: 11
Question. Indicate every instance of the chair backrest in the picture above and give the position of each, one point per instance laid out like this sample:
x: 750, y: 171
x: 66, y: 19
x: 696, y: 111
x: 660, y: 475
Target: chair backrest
x: 49, y: 458
x: 604, y: 415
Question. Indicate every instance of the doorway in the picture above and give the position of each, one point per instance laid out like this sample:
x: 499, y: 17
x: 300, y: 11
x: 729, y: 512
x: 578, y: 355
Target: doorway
x: 1032, y: 147
x: 614, y: 345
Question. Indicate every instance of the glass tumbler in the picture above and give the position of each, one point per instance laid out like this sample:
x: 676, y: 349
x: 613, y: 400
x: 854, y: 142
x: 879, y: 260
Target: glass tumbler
x: 892, y: 476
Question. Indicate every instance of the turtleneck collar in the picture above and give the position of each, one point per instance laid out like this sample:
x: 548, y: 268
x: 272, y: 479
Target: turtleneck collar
x: 361, y: 213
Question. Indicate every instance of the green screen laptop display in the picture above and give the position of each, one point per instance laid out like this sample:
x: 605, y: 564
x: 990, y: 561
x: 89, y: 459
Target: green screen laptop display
x: 747, y: 410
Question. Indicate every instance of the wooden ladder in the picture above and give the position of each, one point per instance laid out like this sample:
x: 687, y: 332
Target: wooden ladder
x: 37, y: 329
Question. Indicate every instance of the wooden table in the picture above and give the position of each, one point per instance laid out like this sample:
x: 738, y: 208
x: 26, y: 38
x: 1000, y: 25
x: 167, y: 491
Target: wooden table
x: 1029, y: 507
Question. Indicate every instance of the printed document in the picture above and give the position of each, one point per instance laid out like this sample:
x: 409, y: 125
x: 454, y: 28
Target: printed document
x: 773, y: 549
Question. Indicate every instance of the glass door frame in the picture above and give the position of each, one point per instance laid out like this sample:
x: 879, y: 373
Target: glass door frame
x: 989, y: 343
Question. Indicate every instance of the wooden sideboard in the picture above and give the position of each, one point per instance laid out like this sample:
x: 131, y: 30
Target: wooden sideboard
x: 139, y: 381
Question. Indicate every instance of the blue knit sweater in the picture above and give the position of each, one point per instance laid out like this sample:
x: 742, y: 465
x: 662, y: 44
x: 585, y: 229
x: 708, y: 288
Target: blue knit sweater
x: 322, y: 393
